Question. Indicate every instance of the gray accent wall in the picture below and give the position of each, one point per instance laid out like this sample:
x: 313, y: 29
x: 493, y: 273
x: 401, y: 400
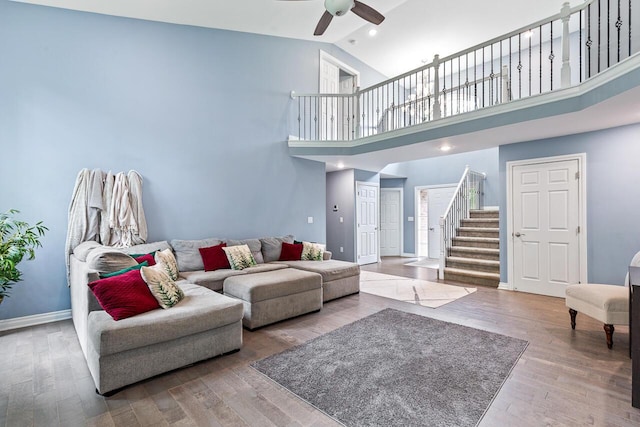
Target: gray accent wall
x: 440, y: 171
x: 340, y: 193
x: 613, y: 197
x: 201, y: 114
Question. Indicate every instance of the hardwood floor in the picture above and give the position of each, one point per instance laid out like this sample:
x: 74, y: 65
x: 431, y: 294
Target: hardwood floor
x: 564, y: 378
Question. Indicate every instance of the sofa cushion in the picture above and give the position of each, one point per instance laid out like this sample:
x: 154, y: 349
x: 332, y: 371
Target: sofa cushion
x: 214, y: 258
x: 261, y: 268
x: 124, y: 296
x: 210, y: 279
x: 291, y: 252
x: 188, y: 255
x: 162, y: 287
x: 272, y: 246
x: 255, y: 246
x: 330, y: 270
x: 199, y: 311
x: 240, y: 257
x: 106, y: 259
x: 147, y: 248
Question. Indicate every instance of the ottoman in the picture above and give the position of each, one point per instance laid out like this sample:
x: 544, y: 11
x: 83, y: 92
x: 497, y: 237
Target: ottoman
x: 272, y: 296
x: 339, y: 278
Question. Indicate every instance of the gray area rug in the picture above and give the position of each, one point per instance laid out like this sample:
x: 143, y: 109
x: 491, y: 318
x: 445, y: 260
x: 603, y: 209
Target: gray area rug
x: 398, y: 369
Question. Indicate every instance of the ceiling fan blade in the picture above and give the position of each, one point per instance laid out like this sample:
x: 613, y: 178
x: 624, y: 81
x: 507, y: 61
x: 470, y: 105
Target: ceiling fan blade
x: 367, y: 13
x: 324, y: 22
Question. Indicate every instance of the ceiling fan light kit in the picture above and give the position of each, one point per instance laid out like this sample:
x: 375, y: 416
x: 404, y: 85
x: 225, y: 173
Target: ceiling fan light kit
x: 340, y: 8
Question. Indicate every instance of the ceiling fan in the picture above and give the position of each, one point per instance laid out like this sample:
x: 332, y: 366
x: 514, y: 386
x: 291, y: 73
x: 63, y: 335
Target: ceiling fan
x: 341, y: 7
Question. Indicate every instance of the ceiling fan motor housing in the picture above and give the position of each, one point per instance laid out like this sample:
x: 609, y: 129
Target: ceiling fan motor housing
x: 338, y: 7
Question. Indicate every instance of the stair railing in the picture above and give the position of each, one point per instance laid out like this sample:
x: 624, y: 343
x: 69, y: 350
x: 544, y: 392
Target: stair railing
x: 558, y: 52
x: 469, y: 195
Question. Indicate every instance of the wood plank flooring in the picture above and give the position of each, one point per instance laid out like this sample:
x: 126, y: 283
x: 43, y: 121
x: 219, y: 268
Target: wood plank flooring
x: 564, y: 378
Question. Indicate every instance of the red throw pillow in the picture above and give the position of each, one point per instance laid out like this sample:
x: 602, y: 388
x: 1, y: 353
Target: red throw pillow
x: 124, y: 296
x: 291, y: 252
x: 148, y: 257
x: 214, y: 258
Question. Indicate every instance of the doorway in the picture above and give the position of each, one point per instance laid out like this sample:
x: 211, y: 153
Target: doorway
x: 366, y: 222
x: 391, y: 221
x: 337, y: 114
x: 431, y: 202
x: 546, y: 208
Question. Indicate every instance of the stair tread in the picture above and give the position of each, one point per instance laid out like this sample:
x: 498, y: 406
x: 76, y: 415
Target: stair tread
x: 473, y: 260
x: 482, y: 219
x: 478, y: 239
x: 474, y: 249
x: 494, y: 229
x: 463, y: 272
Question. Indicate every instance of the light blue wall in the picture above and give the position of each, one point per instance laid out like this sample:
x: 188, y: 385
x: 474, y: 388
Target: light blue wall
x: 202, y: 114
x: 613, y: 197
x: 439, y: 171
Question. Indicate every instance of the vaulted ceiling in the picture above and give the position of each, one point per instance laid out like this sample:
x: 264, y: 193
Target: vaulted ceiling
x: 413, y: 31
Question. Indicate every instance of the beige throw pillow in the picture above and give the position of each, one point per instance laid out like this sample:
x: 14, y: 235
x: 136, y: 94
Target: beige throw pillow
x: 164, y: 290
x: 169, y: 263
x: 312, y: 252
x: 239, y: 257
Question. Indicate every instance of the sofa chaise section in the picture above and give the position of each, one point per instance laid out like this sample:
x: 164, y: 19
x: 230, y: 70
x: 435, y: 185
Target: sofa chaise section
x: 203, y: 325
x: 339, y: 278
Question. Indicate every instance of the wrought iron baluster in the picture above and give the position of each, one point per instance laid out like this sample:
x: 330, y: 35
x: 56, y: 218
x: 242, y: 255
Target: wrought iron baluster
x: 483, y: 61
x: 580, y: 45
x: 608, y: 33
x: 599, y: 38
x: 540, y: 50
x: 618, y: 26
x: 530, y: 37
x: 519, y: 65
x: 629, y: 27
x: 589, y: 42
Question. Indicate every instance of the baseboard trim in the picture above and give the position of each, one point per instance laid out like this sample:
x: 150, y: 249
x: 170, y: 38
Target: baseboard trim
x: 36, y: 319
x: 504, y: 286
x: 408, y: 255
x: 491, y: 208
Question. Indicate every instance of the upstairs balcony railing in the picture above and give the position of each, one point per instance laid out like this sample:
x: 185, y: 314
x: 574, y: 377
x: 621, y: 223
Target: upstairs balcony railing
x: 558, y: 52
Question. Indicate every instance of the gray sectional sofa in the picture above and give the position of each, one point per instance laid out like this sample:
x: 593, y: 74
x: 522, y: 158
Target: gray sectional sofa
x: 208, y: 321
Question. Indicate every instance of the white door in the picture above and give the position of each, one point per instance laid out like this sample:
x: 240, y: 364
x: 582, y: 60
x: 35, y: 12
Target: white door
x: 346, y: 113
x: 438, y: 200
x: 423, y: 223
x: 390, y: 222
x: 546, y: 216
x: 367, y: 223
x: 329, y: 83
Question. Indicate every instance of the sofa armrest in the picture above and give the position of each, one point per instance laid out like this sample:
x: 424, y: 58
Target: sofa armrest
x: 82, y: 299
x: 326, y: 256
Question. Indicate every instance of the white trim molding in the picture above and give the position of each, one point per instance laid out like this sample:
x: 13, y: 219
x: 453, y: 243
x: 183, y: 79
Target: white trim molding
x: 401, y: 219
x: 502, y: 286
x: 36, y: 319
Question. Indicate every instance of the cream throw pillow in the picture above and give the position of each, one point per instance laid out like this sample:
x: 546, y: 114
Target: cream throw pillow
x: 312, y: 252
x: 239, y: 257
x: 169, y: 263
x: 162, y: 287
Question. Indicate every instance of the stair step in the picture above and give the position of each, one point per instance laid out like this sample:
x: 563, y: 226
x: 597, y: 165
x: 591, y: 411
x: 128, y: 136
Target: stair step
x: 481, y: 222
x: 475, y: 252
x: 479, y: 265
x: 471, y: 277
x: 477, y: 242
x: 478, y: 232
x: 481, y: 213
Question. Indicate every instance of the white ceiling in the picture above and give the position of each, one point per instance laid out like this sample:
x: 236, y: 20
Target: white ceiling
x: 414, y: 30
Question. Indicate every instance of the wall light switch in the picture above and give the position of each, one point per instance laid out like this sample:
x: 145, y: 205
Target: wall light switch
x: 341, y: 219
x: 310, y: 219
x: 341, y: 249
x: 410, y: 219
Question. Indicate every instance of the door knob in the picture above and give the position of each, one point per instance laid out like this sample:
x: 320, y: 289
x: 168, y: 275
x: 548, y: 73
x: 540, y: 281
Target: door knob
x: 518, y: 234
x: 431, y: 229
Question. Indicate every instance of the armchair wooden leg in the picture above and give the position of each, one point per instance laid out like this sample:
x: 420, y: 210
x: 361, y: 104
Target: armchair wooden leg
x: 608, y: 329
x: 573, y: 313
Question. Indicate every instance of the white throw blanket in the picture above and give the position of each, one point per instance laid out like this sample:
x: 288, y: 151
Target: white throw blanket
x: 121, y: 217
x: 107, y: 194
x: 78, y: 221
x: 135, y: 198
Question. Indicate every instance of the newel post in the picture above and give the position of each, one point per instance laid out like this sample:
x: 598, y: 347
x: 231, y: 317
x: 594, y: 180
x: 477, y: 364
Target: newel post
x: 565, y: 72
x: 436, y: 87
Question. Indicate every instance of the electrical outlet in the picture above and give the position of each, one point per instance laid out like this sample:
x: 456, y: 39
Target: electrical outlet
x: 341, y: 249
x: 410, y: 219
x: 341, y: 219
x: 310, y: 219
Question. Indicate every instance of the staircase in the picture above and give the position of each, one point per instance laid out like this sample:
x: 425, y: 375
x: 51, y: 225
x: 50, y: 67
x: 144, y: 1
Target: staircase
x: 474, y: 256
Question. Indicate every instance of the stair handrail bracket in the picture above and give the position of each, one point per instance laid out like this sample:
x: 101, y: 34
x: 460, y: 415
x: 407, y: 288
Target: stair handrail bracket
x: 561, y: 51
x: 468, y: 195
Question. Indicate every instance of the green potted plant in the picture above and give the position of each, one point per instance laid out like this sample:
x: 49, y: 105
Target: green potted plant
x: 17, y: 240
